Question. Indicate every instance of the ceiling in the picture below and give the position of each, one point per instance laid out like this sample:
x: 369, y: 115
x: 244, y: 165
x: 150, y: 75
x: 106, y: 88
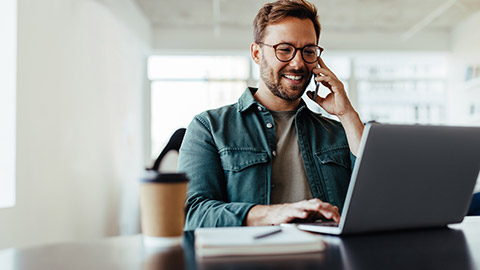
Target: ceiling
x: 340, y: 19
x: 337, y: 15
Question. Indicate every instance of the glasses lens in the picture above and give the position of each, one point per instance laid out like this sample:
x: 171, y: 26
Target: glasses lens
x: 311, y: 53
x: 284, y: 52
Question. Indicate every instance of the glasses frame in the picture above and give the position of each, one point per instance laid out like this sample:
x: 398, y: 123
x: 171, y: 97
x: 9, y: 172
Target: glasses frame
x: 295, y: 52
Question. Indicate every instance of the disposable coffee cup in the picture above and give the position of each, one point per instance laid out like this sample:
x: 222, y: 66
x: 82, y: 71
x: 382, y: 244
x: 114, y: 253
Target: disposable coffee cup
x: 162, y: 200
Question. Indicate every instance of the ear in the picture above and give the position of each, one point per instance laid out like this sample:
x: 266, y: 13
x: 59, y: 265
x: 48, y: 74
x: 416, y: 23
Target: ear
x: 255, y: 52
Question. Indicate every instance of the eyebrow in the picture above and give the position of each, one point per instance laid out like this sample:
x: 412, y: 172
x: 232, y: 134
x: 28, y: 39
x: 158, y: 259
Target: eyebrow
x: 283, y: 41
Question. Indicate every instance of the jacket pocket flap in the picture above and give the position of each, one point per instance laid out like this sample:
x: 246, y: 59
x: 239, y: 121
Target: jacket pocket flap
x: 339, y: 156
x: 237, y: 159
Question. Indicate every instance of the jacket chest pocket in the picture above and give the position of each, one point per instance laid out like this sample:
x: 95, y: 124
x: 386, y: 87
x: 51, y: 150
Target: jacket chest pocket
x: 245, y: 172
x: 335, y: 171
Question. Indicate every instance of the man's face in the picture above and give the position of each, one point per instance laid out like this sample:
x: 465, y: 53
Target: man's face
x: 287, y: 80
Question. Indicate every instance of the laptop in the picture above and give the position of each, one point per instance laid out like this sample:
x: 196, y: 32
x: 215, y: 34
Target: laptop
x: 407, y: 177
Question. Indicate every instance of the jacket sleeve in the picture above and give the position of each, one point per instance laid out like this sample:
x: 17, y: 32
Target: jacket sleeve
x: 353, y: 159
x: 207, y: 202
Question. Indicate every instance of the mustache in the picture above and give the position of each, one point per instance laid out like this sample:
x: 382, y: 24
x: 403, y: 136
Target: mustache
x: 295, y: 71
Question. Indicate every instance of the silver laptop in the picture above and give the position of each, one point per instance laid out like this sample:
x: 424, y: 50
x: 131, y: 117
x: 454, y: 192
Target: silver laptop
x: 409, y: 176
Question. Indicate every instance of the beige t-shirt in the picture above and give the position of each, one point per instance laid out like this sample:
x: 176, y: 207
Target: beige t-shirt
x: 289, y: 180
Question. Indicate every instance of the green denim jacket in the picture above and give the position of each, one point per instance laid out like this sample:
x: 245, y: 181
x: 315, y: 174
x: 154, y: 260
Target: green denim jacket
x: 227, y: 153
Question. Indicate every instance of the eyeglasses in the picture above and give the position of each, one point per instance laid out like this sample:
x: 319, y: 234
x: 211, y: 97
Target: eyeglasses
x: 286, y: 52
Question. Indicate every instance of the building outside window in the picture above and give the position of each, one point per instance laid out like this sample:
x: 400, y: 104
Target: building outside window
x: 184, y: 86
x: 386, y: 87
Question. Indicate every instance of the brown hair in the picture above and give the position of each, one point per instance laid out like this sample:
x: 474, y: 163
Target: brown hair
x: 272, y: 13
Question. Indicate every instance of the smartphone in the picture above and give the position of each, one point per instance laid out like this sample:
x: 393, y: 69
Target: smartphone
x: 317, y: 85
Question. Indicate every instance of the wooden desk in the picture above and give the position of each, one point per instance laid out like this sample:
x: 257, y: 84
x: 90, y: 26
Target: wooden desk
x: 454, y: 248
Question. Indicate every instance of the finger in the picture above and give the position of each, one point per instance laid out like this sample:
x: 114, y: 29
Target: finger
x: 326, y: 69
x: 296, y: 213
x: 319, y: 100
x: 325, y: 78
x: 313, y: 205
x: 328, y: 82
x: 337, y: 218
x: 330, y: 214
x: 308, y: 205
x: 333, y: 84
x: 323, y: 71
x: 322, y: 64
x: 284, y: 213
x: 326, y: 209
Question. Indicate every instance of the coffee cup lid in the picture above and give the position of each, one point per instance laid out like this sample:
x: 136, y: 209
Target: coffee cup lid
x: 153, y: 176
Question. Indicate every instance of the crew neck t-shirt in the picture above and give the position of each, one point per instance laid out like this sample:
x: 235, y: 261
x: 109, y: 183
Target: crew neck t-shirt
x: 289, y: 179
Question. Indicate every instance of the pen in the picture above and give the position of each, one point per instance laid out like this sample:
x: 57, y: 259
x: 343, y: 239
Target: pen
x: 267, y: 234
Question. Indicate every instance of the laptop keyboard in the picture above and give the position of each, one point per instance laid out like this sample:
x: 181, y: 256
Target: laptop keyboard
x: 323, y: 223
x: 319, y: 222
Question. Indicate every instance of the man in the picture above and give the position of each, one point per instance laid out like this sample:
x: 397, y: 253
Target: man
x: 267, y: 159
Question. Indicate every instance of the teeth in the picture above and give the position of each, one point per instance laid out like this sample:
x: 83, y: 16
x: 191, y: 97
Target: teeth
x: 292, y: 77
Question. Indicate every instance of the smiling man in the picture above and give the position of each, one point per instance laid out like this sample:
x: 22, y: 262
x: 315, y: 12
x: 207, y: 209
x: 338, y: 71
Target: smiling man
x: 268, y: 159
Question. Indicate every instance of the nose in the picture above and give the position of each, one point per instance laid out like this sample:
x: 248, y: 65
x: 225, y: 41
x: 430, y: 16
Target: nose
x: 297, y: 61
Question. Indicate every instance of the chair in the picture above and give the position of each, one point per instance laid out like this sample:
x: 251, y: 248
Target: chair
x: 474, y: 209
x: 167, y: 160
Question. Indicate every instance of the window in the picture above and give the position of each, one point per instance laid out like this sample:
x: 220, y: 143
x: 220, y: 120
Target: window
x: 385, y: 87
x: 393, y: 87
x: 183, y: 86
x: 399, y: 88
x: 8, y: 53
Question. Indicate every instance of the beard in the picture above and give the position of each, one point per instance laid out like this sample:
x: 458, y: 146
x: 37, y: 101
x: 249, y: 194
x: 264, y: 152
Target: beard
x: 274, y: 81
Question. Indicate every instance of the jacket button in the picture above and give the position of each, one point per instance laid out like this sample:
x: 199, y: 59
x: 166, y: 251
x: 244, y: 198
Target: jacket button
x: 269, y: 125
x: 274, y: 153
x: 260, y: 108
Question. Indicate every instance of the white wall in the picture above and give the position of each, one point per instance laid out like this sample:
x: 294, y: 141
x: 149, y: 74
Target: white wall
x: 80, y: 141
x: 8, y: 75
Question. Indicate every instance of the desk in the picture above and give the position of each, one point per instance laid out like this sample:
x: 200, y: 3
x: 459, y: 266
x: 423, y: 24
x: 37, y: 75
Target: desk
x: 455, y: 248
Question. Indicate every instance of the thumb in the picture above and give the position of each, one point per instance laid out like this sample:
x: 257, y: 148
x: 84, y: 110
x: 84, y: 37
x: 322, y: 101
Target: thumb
x: 320, y: 100
x: 310, y: 95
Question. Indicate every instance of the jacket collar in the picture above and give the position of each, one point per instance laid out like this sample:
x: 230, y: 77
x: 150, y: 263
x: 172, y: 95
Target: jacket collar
x: 247, y: 100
